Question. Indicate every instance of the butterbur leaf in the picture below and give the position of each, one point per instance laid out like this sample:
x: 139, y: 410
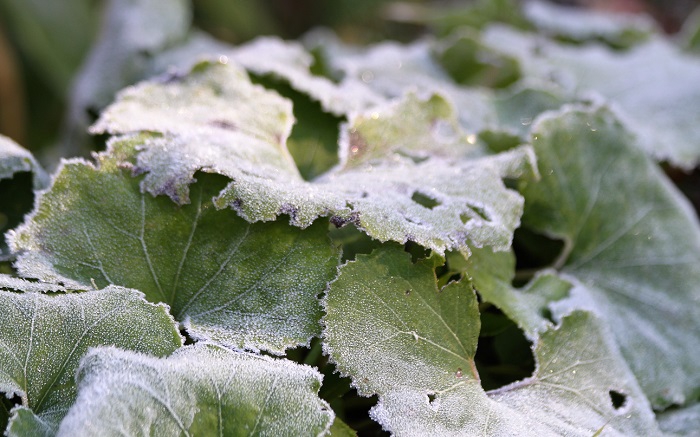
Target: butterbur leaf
x: 492, y: 274
x: 680, y: 422
x: 19, y: 174
x: 291, y: 62
x: 378, y: 195
x: 44, y: 337
x: 133, y: 34
x: 248, y: 285
x: 654, y: 86
x: 397, y: 335
x: 15, y: 159
x: 571, y: 393
x: 388, y: 325
x: 198, y: 390
x: 630, y: 238
x: 580, y: 25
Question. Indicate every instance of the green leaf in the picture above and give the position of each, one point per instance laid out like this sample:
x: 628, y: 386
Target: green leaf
x: 249, y: 285
x: 681, y: 421
x: 341, y: 429
x: 470, y: 62
x: 383, y: 312
x: 397, y: 335
x: 387, y: 156
x: 654, y: 86
x: 291, y: 62
x: 19, y: 174
x: 492, y: 275
x: 44, y: 337
x: 630, y: 237
x: 132, y: 34
x: 690, y: 32
x: 579, y: 25
x: 391, y: 69
x: 15, y: 159
x: 198, y: 390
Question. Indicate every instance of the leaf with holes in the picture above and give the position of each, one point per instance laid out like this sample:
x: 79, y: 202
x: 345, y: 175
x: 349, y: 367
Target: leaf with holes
x: 248, y: 285
x: 630, y: 237
x: 198, y: 390
x: 391, y: 329
x: 387, y: 155
x: 44, y: 336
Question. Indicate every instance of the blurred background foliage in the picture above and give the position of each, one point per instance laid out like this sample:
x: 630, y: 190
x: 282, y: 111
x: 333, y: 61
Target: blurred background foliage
x: 43, y: 43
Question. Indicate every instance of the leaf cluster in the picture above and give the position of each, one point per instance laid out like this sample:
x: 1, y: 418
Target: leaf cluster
x: 471, y: 230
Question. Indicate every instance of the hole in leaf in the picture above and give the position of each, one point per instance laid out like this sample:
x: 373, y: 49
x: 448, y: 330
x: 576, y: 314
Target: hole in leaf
x: 417, y: 251
x: 533, y: 252
x: 17, y: 199
x: 7, y: 269
x: 503, y: 354
x: 425, y: 201
x: 313, y: 142
x: 344, y: 400
x: 618, y: 399
x: 481, y: 212
x: 431, y: 398
x: 188, y: 339
x: 352, y: 240
x: 7, y: 404
x: 320, y: 66
x: 499, y: 141
x: 417, y: 159
x: 547, y: 314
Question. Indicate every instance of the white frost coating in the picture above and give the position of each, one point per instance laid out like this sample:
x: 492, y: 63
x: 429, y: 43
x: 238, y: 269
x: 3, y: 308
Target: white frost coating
x: 655, y: 86
x: 683, y: 422
x: 11, y: 283
x: 198, y: 390
x: 43, y: 337
x: 215, y: 120
x: 582, y: 24
x: 289, y: 60
x: 391, y: 70
x: 633, y: 243
x: 254, y: 286
x: 15, y: 159
x: 397, y: 336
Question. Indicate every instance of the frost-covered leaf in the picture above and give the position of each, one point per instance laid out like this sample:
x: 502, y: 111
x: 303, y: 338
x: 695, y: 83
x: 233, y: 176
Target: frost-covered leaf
x: 690, y: 33
x: 492, y: 274
x: 133, y: 33
x: 630, y: 237
x: 248, y: 285
x: 397, y: 335
x: 579, y: 24
x: 291, y: 62
x: 198, y: 390
x: 43, y: 337
x: 425, y: 154
x: 15, y: 159
x: 392, y: 69
x: 383, y: 312
x: 450, y: 16
x: 681, y: 422
x: 654, y: 86
x: 470, y: 62
x: 19, y: 174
